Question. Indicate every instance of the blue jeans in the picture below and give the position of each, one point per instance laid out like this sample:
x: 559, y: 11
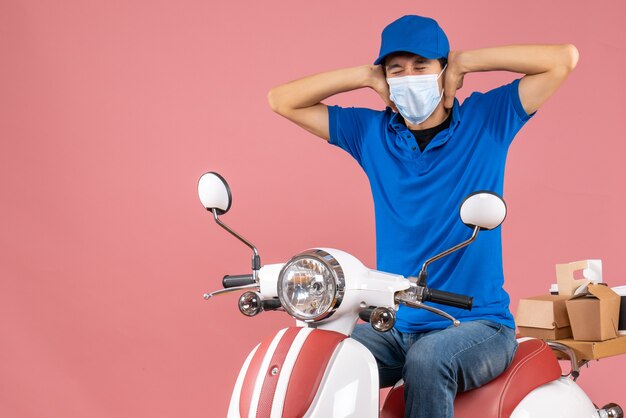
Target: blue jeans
x: 435, y: 365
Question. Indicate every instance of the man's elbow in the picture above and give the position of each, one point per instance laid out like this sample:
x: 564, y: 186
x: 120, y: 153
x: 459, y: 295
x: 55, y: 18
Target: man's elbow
x: 274, y: 101
x: 570, y: 56
x: 566, y: 58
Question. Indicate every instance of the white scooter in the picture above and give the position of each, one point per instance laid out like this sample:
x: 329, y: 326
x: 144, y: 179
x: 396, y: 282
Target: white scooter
x: 316, y: 370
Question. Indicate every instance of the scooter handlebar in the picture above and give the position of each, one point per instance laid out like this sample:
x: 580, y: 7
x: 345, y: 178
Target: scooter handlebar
x: 237, y: 280
x: 271, y: 304
x: 366, y: 313
x: 447, y: 298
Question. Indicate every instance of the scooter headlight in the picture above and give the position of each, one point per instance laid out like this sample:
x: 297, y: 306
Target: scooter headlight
x: 311, y: 285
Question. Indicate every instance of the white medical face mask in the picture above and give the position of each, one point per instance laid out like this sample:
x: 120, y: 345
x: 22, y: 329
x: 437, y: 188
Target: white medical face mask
x: 416, y: 96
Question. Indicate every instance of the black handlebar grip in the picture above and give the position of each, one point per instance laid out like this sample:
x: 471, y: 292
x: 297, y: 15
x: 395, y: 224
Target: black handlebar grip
x: 450, y: 299
x: 366, y: 313
x: 271, y: 304
x: 237, y: 280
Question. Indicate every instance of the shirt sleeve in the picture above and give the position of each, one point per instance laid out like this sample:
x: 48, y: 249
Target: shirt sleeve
x: 504, y: 112
x: 348, y: 127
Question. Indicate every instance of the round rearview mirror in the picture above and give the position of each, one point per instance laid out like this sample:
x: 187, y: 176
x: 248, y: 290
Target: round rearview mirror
x: 484, y: 209
x: 214, y: 193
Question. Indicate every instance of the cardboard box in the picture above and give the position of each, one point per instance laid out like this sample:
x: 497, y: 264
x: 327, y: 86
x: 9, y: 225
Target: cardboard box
x: 621, y: 291
x: 565, y: 275
x: 594, y: 314
x: 543, y: 317
x: 595, y: 350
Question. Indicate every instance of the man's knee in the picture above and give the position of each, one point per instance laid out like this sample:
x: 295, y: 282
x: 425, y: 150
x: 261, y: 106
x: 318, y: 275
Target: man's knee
x: 426, y: 360
x: 362, y: 333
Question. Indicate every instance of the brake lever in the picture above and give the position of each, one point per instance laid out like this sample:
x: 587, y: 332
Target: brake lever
x: 208, y: 296
x: 418, y: 304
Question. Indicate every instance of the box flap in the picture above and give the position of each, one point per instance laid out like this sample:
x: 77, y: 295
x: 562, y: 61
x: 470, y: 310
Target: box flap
x: 602, y: 292
x: 583, y: 294
x: 596, y: 291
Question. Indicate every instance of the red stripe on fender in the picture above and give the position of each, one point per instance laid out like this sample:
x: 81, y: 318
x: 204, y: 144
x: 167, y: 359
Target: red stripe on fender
x: 308, y: 371
x: 271, y: 379
x: 247, y: 388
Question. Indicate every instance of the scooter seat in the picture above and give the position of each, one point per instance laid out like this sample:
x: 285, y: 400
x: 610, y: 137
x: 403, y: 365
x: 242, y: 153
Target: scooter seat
x: 534, y: 364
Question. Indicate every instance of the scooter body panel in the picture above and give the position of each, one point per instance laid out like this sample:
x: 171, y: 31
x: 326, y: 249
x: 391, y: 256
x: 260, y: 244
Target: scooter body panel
x: 349, y: 388
x: 281, y: 378
x: 561, y: 398
x: 233, y: 407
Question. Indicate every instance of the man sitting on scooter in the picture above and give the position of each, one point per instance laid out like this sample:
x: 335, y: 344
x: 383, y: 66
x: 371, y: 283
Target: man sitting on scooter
x: 423, y: 154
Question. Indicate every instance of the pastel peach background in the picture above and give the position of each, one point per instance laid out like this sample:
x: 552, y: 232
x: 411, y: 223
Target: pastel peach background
x: 111, y: 110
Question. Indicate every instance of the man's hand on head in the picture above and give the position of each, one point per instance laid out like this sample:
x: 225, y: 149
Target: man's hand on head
x: 453, y: 78
x: 378, y: 83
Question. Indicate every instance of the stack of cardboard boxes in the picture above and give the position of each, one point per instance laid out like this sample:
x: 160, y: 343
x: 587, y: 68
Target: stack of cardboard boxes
x: 584, y: 315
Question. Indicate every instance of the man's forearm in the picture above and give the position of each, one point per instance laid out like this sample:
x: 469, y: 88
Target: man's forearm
x: 524, y: 59
x: 311, y: 90
x: 545, y: 68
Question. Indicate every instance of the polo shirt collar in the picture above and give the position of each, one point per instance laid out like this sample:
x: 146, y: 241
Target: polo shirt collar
x: 397, y: 124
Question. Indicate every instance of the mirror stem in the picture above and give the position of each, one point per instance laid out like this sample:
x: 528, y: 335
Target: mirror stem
x: 423, y: 274
x: 256, y: 259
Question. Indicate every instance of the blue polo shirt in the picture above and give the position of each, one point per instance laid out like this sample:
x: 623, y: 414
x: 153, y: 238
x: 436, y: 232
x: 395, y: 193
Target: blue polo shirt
x: 417, y: 197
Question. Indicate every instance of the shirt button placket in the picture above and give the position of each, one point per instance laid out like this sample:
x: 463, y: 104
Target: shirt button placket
x: 410, y: 140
